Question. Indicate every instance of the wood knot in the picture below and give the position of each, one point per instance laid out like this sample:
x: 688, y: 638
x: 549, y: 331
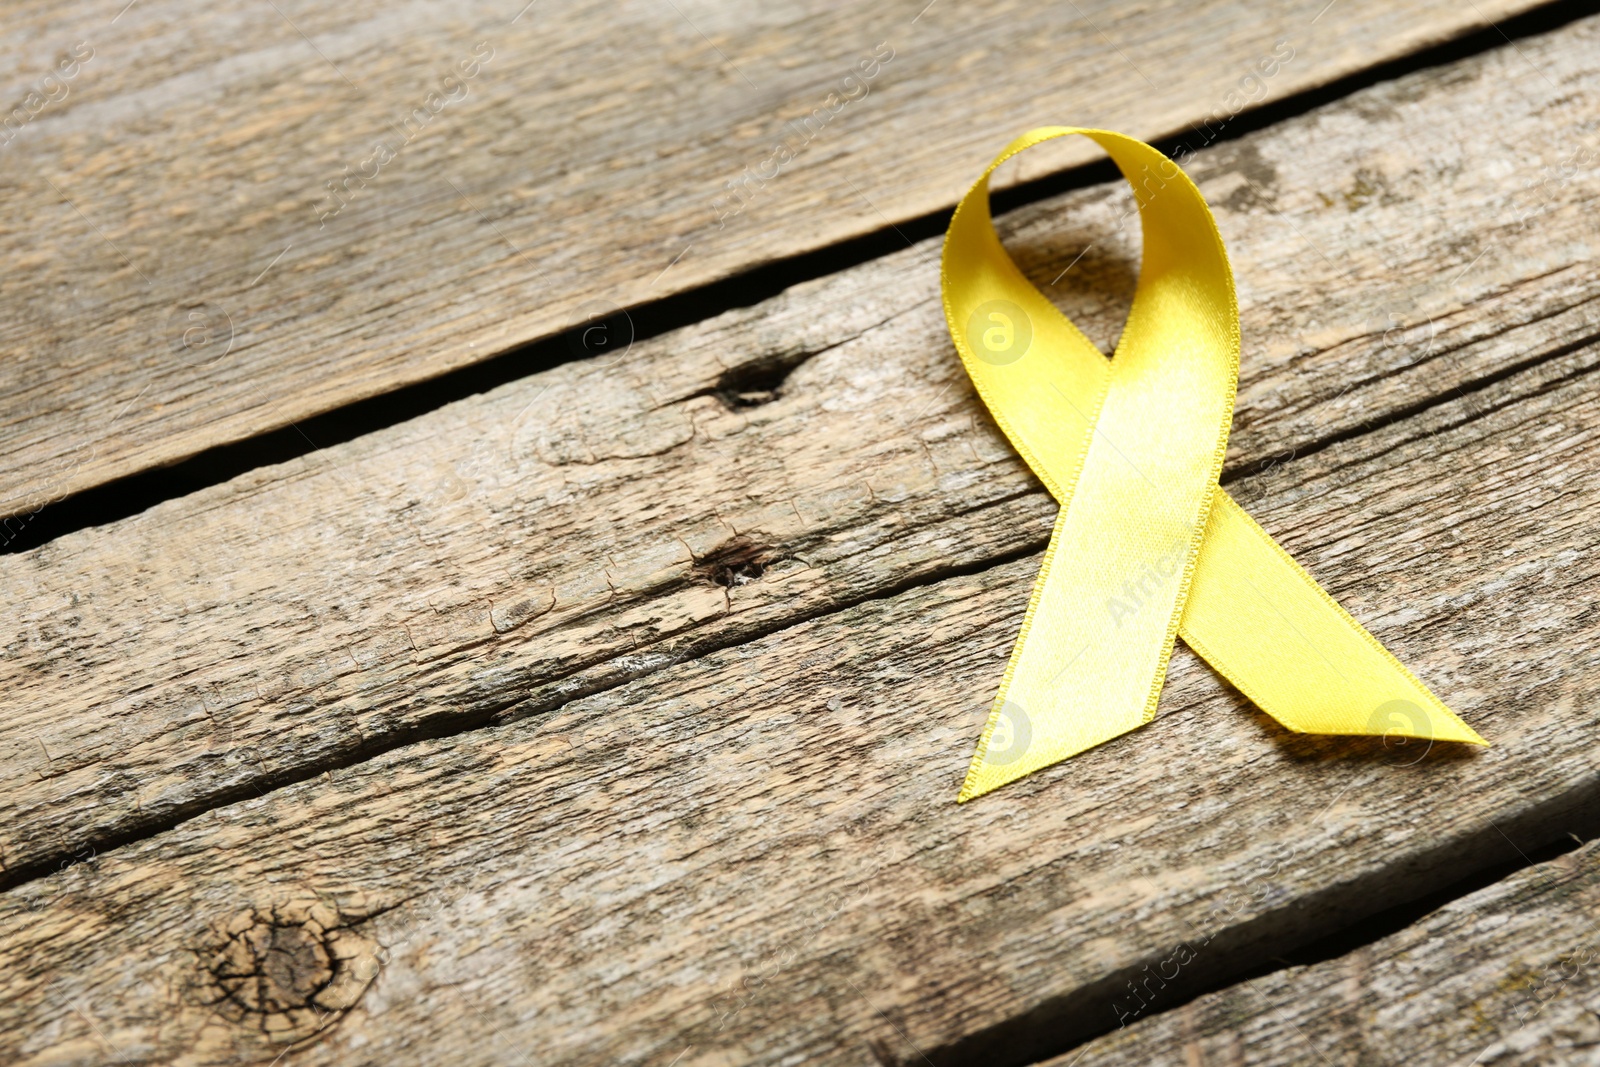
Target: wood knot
x: 291, y: 969
x: 758, y: 382
x: 738, y: 561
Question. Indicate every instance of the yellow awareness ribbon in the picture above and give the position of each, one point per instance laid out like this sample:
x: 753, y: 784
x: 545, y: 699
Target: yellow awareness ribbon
x: 1147, y: 546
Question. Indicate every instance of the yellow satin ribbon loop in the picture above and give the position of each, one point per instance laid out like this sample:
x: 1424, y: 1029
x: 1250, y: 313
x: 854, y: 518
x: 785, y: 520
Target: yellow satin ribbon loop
x: 1147, y: 546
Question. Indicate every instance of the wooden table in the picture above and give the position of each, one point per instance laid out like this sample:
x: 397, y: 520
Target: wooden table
x: 504, y: 566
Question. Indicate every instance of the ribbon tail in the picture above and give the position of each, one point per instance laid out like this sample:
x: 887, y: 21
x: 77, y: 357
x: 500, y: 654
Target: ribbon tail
x: 1256, y: 616
x: 1073, y: 681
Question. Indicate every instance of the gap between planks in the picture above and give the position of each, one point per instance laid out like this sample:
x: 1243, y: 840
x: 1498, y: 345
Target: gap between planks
x: 1503, y: 975
x: 132, y: 493
x: 296, y: 317
x: 750, y: 762
x: 1304, y: 384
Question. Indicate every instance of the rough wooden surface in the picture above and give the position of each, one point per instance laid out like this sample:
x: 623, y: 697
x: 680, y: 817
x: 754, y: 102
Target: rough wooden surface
x: 709, y: 630
x: 598, y: 522
x: 1508, y: 975
x: 180, y: 277
x: 755, y: 857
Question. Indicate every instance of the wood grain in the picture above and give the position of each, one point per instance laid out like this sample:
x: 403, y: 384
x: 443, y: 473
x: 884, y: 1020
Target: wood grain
x: 180, y: 278
x: 755, y: 857
x: 599, y: 522
x: 1508, y: 975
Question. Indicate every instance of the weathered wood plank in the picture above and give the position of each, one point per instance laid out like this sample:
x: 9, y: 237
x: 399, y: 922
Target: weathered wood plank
x: 182, y: 278
x: 755, y: 857
x: 1507, y: 975
x: 595, y: 523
